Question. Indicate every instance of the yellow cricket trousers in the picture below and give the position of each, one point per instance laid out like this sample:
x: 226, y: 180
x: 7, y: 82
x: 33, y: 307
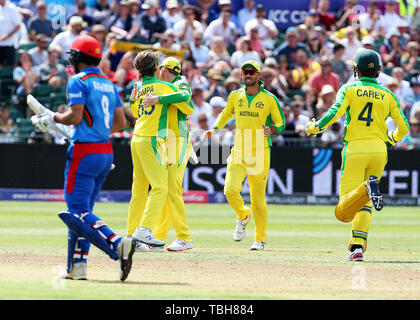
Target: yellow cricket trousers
x: 149, y: 168
x: 357, y: 165
x: 174, y: 208
x: 237, y: 170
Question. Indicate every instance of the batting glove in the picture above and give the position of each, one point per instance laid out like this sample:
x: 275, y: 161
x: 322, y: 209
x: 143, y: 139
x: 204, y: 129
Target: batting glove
x: 312, y: 128
x: 44, y: 122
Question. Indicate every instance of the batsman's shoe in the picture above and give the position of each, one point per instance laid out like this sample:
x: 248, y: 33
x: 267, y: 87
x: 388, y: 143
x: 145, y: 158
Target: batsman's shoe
x: 125, y: 250
x: 141, y: 247
x: 144, y: 235
x: 78, y: 271
x: 180, y: 245
x: 257, y: 245
x: 356, y: 255
x: 155, y: 249
x: 372, y: 187
x: 239, y: 232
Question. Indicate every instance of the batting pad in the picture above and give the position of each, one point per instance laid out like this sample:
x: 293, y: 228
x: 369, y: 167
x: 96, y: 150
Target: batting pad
x: 88, y: 232
x: 351, y: 203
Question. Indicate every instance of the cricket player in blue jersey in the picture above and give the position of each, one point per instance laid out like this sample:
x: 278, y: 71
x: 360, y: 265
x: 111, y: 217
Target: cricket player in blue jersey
x: 96, y: 112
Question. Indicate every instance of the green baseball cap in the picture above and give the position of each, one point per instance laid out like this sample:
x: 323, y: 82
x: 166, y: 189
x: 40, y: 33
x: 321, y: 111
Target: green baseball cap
x: 253, y: 64
x: 367, y: 59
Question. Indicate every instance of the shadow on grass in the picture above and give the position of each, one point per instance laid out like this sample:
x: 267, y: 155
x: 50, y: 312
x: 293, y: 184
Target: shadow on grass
x: 128, y: 282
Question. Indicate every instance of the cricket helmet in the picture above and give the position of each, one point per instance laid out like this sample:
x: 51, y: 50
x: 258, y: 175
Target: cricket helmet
x: 172, y: 64
x: 85, y: 49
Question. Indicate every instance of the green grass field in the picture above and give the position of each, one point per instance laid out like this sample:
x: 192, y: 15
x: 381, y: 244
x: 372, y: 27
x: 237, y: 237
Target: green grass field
x: 305, y: 257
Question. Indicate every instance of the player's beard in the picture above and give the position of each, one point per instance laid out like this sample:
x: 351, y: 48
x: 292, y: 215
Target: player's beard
x: 251, y: 84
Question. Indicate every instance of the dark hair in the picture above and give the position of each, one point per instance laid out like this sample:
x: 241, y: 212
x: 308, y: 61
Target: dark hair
x: 146, y: 62
x: 337, y: 47
x: 369, y: 73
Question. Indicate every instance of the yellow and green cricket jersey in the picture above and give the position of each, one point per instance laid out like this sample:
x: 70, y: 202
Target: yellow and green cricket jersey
x: 366, y: 105
x: 251, y: 113
x: 153, y: 121
x: 181, y: 105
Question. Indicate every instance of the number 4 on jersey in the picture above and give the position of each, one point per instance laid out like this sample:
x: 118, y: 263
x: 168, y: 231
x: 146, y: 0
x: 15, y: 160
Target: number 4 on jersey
x: 368, y: 109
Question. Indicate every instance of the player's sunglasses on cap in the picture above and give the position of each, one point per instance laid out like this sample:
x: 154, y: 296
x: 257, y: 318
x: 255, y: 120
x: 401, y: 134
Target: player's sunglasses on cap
x: 250, y: 63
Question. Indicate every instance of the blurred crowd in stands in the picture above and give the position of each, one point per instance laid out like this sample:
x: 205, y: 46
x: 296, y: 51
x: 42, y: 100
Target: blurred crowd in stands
x: 303, y: 65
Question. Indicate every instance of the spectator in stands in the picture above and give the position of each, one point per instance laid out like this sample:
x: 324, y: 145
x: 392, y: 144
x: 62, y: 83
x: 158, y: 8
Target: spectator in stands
x: 81, y: 12
x: 290, y: 46
x: 218, y: 104
x: 6, y: 123
x: 65, y: 38
x: 172, y: 13
x: 268, y: 77
x: 227, y: 5
x: 218, y: 51
x: 325, y: 101
x: 134, y: 9
x: 247, y: 13
x: 200, y: 105
x: 303, y: 33
x: 203, y: 122
x: 99, y: 31
x: 372, y: 21
x: 351, y: 45
x: 40, y: 23
x: 256, y: 44
x: 184, y: 28
x: 52, y: 72
x: 413, y: 99
x: 24, y: 74
x: 404, y: 90
x: 215, y: 77
x: 289, y: 133
x: 327, y: 44
x: 152, y: 24
x: 391, y: 51
x: 114, y: 57
x: 102, y: 12
x: 105, y: 66
x: 221, y: 27
x: 267, y: 30
x: 410, y: 60
x: 39, y: 53
x: 199, y: 51
x: 9, y: 27
x: 168, y: 41
x: 311, y: 19
x: 324, y: 18
x: 208, y: 14
x: 299, y: 118
x: 231, y: 84
x: 302, y: 70
x: 338, y: 66
x: 391, y: 19
x: 412, y: 140
x: 122, y: 24
x: 345, y: 14
x: 314, y: 45
x: 125, y: 72
x: 324, y: 76
x: 310, y: 101
x: 244, y: 53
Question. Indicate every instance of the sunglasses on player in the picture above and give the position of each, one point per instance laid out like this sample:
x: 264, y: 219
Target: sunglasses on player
x: 249, y: 72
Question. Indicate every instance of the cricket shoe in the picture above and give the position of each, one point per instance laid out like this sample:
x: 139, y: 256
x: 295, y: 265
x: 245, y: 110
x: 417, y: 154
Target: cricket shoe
x: 144, y: 235
x: 356, y: 255
x: 258, y: 245
x: 372, y: 187
x: 180, y: 245
x: 155, y: 249
x: 141, y: 247
x: 78, y: 271
x: 125, y: 250
x: 239, y: 232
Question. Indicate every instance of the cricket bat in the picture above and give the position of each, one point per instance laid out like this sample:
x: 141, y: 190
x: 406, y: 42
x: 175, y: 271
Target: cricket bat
x: 38, y: 108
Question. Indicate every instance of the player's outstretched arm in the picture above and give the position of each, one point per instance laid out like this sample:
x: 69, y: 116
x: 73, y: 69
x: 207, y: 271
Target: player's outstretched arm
x: 73, y: 115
